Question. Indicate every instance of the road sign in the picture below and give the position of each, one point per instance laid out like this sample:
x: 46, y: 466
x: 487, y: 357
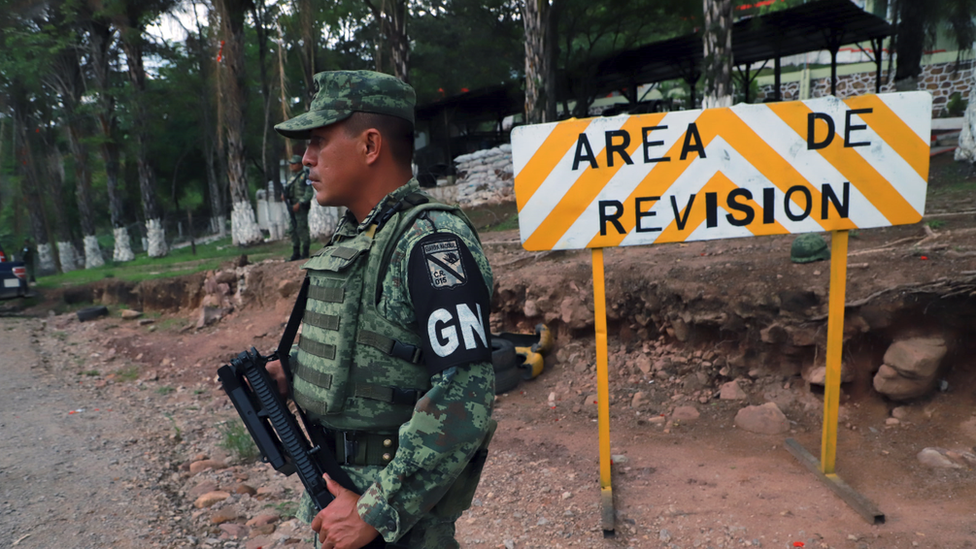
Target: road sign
x: 794, y: 167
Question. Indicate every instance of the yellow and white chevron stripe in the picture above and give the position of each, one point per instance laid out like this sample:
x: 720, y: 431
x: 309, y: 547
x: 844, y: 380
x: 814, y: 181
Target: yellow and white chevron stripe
x: 794, y: 167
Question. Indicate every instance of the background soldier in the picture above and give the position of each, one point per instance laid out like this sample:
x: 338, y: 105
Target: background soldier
x: 394, y: 361
x: 298, y: 199
x: 27, y: 256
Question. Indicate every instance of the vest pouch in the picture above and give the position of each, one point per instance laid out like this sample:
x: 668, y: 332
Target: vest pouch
x: 325, y: 350
x: 459, y: 496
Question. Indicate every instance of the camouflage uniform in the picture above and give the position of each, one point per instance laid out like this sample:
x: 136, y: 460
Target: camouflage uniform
x: 298, y: 192
x: 411, y: 495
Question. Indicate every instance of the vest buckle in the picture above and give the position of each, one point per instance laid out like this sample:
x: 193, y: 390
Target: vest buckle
x: 407, y: 352
x: 350, y: 447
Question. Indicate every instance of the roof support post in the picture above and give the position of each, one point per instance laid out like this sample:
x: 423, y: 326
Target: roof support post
x: 777, y: 69
x: 833, y: 69
x: 878, y: 46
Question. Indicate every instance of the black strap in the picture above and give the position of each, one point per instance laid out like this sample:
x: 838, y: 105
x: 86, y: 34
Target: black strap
x: 390, y: 346
x: 291, y: 329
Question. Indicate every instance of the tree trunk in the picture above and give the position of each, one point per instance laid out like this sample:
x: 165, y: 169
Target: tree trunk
x: 717, y: 43
x: 535, y: 18
x: 913, y: 18
x: 102, y: 55
x: 391, y: 17
x: 269, y: 139
x: 30, y: 187
x: 93, y: 255
x: 67, y: 255
x: 244, y: 228
x: 308, y: 48
x: 132, y: 44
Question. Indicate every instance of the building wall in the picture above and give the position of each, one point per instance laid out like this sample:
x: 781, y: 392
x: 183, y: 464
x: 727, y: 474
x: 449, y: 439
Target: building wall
x: 940, y: 79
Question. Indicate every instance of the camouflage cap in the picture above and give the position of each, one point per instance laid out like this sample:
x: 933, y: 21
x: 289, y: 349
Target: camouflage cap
x: 295, y: 159
x: 809, y: 247
x: 338, y: 94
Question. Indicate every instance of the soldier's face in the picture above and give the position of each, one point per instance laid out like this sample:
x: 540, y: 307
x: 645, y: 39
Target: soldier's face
x: 333, y: 160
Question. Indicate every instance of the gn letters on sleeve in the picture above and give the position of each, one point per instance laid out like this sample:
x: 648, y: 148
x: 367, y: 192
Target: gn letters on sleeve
x: 451, y: 303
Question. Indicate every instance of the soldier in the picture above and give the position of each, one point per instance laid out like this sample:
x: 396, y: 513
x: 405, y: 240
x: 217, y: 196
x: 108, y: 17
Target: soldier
x: 394, y: 360
x: 27, y: 256
x: 298, y: 198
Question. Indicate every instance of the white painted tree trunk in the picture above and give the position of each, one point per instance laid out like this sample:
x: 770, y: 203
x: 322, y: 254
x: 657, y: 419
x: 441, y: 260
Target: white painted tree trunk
x: 218, y: 225
x: 967, y: 138
x: 243, y: 225
x: 45, y: 258
x: 93, y: 254
x: 157, y: 238
x: 68, y: 257
x: 123, y: 247
x: 322, y: 220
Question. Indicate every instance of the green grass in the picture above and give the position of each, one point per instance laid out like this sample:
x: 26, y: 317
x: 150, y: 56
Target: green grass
x: 935, y: 223
x: 286, y: 509
x: 165, y: 390
x: 91, y: 373
x: 129, y: 373
x: 505, y: 225
x: 237, y: 440
x: 177, y: 262
x: 171, y: 324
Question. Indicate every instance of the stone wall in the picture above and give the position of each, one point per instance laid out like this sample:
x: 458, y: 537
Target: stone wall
x: 941, y: 79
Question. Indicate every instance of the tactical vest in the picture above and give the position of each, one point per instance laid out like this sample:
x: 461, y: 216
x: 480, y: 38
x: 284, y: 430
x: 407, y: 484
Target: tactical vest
x: 356, y: 370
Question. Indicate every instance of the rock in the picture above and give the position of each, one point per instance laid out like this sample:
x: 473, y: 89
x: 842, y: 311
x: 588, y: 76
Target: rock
x: 637, y: 400
x: 263, y: 530
x: 205, y: 464
x: 210, y: 498
x: 892, y: 421
x: 226, y: 514
x: 259, y: 542
x: 129, y: 314
x: 910, y: 368
x: 235, y: 531
x: 765, y: 420
x: 774, y: 334
x: 916, y: 358
x: 936, y: 458
x: 149, y: 375
x: 818, y: 375
x: 209, y: 315
x: 680, y: 329
x: 264, y: 519
x: 202, y: 488
x: 896, y: 387
x: 242, y: 488
x: 288, y: 287
x: 270, y: 492
x: 643, y: 363
x: 732, y: 391
x: 685, y: 413
x: 901, y: 412
x: 530, y: 309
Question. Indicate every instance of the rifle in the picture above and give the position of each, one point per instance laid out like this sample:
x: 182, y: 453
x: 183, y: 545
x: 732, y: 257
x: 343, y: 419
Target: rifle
x: 276, y: 433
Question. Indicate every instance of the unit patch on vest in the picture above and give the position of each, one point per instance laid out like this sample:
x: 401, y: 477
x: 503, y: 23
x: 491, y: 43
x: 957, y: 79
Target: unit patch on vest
x: 451, y: 303
x: 444, y: 264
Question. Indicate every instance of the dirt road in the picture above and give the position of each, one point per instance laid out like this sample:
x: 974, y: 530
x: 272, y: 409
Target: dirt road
x: 72, y: 472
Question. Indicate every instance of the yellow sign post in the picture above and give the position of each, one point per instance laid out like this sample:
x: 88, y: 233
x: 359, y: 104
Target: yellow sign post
x: 779, y: 168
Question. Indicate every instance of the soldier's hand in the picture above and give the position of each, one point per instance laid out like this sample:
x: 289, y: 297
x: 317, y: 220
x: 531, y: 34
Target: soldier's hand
x: 277, y: 373
x: 296, y: 207
x: 339, y: 525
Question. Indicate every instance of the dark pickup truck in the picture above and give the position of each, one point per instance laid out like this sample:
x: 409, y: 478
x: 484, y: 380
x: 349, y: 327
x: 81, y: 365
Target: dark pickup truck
x: 13, y: 278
